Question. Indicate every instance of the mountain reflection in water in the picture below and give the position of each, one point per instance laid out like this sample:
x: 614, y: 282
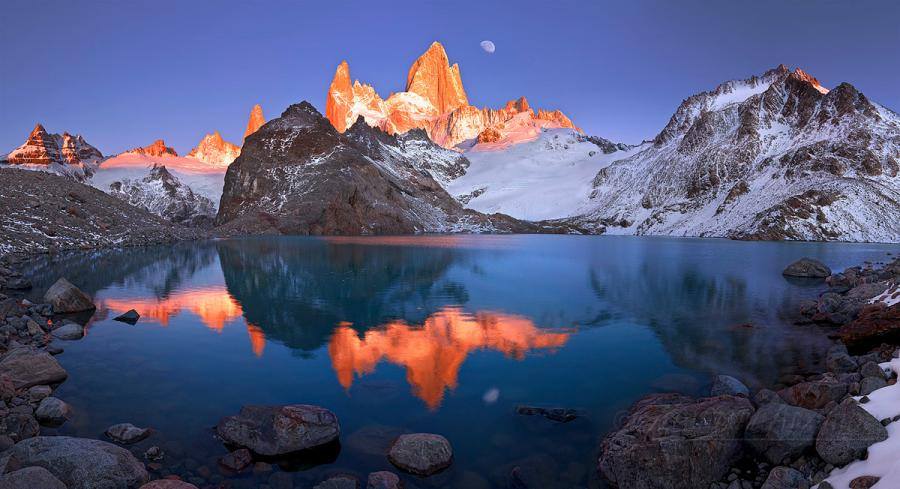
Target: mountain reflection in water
x: 434, y: 352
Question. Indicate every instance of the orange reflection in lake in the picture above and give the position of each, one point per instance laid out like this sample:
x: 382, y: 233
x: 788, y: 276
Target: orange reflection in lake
x: 434, y: 352
x: 213, y: 305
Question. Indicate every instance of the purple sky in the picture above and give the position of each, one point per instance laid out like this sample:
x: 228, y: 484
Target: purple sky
x: 125, y: 73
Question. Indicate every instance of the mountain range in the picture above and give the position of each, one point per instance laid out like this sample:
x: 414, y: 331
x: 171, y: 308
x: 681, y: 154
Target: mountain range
x: 774, y: 156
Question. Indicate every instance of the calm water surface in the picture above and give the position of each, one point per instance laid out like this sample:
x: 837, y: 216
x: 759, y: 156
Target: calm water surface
x: 443, y: 334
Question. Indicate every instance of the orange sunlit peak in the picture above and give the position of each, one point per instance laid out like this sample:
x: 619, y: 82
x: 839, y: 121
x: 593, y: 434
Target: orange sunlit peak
x: 434, y: 352
x: 213, y: 305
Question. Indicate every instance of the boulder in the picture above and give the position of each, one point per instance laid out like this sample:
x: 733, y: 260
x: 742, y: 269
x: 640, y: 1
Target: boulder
x: 847, y: 432
x: 558, y: 414
x: 168, y: 484
x: 52, y: 411
x: 69, y: 331
x: 26, y: 367
x: 869, y: 385
x: 279, y: 430
x: 237, y: 460
x: 807, y: 268
x: 19, y: 425
x: 875, y: 323
x: 339, y: 482
x: 421, y: 453
x: 785, y: 478
x: 871, y: 369
x: 130, y: 317
x: 864, y: 482
x: 31, y: 478
x: 38, y: 392
x: 766, y: 396
x: 814, y: 394
x: 778, y: 431
x: 728, y: 385
x: 839, y: 361
x: 65, y: 298
x: 80, y: 463
x: 676, y: 442
x: 127, y: 433
x: 383, y: 480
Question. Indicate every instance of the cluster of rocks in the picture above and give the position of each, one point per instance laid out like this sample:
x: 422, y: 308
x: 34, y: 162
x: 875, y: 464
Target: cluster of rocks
x: 297, y: 429
x: 788, y: 437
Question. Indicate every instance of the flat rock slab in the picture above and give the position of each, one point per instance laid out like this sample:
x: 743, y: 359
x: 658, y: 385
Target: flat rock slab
x: 31, y: 478
x: 26, y: 367
x: 421, y: 453
x: 127, y: 433
x: 280, y: 430
x: 66, y: 298
x: 80, y: 463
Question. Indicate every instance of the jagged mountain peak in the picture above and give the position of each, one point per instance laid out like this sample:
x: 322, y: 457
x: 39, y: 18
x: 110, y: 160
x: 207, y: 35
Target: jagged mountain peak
x: 65, y: 154
x: 256, y: 120
x: 213, y: 149
x: 158, y: 148
x: 432, y: 77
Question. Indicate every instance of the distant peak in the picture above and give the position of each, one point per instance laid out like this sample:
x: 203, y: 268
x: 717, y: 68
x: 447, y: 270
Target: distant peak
x: 256, y: 120
x: 38, y: 129
x: 806, y: 77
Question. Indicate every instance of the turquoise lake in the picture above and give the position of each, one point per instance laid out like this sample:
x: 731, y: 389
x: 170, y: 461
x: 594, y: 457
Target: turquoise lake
x: 441, y: 334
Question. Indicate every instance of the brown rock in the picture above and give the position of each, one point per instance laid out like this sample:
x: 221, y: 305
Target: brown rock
x: 66, y: 298
x: 876, y: 323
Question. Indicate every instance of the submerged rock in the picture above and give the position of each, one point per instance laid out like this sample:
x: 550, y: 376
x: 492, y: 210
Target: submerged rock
x: 383, y: 480
x: 807, y: 268
x: 52, y: 411
x: 80, y: 463
x: 130, y: 317
x: 676, y: 442
x: 168, y: 484
x: 339, y: 482
x: 237, y: 460
x: 421, y: 453
x: 65, y: 298
x: 779, y: 431
x: 127, y: 433
x: 847, y: 432
x: 728, y: 385
x: 31, y: 478
x: 279, y: 430
x: 561, y: 415
x: 26, y: 367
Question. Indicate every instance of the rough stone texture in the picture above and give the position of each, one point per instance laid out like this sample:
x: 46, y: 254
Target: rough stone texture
x: 237, y: 460
x: 778, y: 431
x: 728, y: 385
x: 19, y: 426
x: 421, y: 453
x: 27, y: 366
x: 871, y: 369
x: 839, y: 361
x: 807, y: 268
x: 847, y: 432
x: 863, y: 482
x: 766, y: 396
x: 876, y: 323
x: 69, y: 331
x: 675, y: 442
x: 383, y: 480
x: 127, y: 433
x: 80, y: 463
x: 31, y: 478
x: 869, y: 385
x: 65, y: 298
x: 52, y: 411
x: 279, y: 430
x: 168, y: 484
x: 815, y: 394
x: 339, y: 482
x: 784, y: 478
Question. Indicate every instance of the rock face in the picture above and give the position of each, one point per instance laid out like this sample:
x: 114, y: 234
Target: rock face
x: 421, y: 453
x: 79, y: 463
x: 257, y: 119
x: 778, y: 431
x: 807, y: 268
x: 65, y: 154
x: 26, y: 367
x: 65, y: 298
x: 279, y: 430
x: 163, y: 194
x: 41, y: 212
x: 434, y: 100
x: 215, y: 151
x: 847, y: 432
x: 31, y: 478
x: 158, y: 148
x: 298, y: 175
x: 672, y: 441
x: 772, y: 157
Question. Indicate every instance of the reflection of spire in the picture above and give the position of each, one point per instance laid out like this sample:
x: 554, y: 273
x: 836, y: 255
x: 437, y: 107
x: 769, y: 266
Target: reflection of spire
x: 433, y: 353
x: 257, y: 339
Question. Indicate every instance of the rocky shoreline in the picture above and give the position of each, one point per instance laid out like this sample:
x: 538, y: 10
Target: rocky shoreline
x: 831, y: 428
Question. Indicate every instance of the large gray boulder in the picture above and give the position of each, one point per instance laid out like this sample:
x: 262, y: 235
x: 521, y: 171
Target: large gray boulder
x: 807, y: 268
x: 671, y: 441
x: 31, y: 478
x: 279, y: 430
x: 847, y: 432
x: 80, y: 463
x: 65, y: 297
x: 421, y: 453
x: 779, y: 431
x: 27, y: 366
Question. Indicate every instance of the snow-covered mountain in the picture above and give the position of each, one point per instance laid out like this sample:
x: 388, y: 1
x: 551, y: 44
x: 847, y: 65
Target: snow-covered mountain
x: 163, y: 194
x: 771, y: 157
x: 64, y: 154
x: 298, y: 175
x: 215, y: 151
x: 434, y: 100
